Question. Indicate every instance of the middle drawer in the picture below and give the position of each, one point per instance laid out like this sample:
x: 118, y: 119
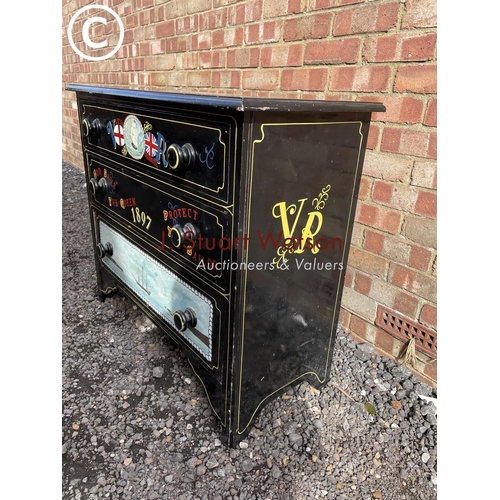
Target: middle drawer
x: 196, y: 236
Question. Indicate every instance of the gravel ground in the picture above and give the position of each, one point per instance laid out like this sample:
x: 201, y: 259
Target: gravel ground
x: 137, y: 425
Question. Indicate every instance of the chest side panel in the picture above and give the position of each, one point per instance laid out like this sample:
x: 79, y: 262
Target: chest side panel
x: 304, y: 179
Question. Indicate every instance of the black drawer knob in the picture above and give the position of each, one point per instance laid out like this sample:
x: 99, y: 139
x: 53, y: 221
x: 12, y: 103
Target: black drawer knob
x: 99, y: 187
x: 182, y: 234
x: 185, y: 319
x: 92, y: 128
x: 106, y: 249
x: 181, y: 157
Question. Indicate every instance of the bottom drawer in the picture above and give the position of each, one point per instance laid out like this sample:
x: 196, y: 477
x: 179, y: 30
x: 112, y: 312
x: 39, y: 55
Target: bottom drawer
x: 194, y: 318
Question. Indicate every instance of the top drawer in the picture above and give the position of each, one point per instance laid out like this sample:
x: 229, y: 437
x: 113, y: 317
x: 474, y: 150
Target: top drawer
x: 187, y: 150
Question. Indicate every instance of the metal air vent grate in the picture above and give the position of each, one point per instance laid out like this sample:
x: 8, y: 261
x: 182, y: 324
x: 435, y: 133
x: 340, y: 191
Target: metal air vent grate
x: 404, y: 329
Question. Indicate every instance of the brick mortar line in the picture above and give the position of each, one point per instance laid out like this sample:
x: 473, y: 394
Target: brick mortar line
x: 427, y: 273
x: 398, y: 29
x: 421, y: 301
x: 399, y: 183
x: 375, y: 204
x: 280, y: 69
x: 384, y: 279
x: 362, y: 36
x: 384, y: 233
x: 399, y: 233
x: 330, y: 37
x: 418, y: 127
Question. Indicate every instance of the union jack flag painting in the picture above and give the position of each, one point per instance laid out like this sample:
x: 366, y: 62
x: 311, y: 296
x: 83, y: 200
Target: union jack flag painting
x: 151, y: 145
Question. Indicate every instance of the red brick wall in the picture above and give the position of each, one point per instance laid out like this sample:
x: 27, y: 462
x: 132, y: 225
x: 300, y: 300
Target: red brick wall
x: 380, y: 50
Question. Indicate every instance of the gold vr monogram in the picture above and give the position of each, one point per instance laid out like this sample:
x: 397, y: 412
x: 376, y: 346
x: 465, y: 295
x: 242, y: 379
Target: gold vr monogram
x: 312, y: 227
x: 306, y: 238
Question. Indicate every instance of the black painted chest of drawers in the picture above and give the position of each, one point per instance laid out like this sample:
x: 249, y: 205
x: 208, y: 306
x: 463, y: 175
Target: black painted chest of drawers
x: 228, y: 221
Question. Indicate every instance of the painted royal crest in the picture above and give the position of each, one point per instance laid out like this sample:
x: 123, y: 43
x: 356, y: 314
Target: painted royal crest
x: 134, y: 137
